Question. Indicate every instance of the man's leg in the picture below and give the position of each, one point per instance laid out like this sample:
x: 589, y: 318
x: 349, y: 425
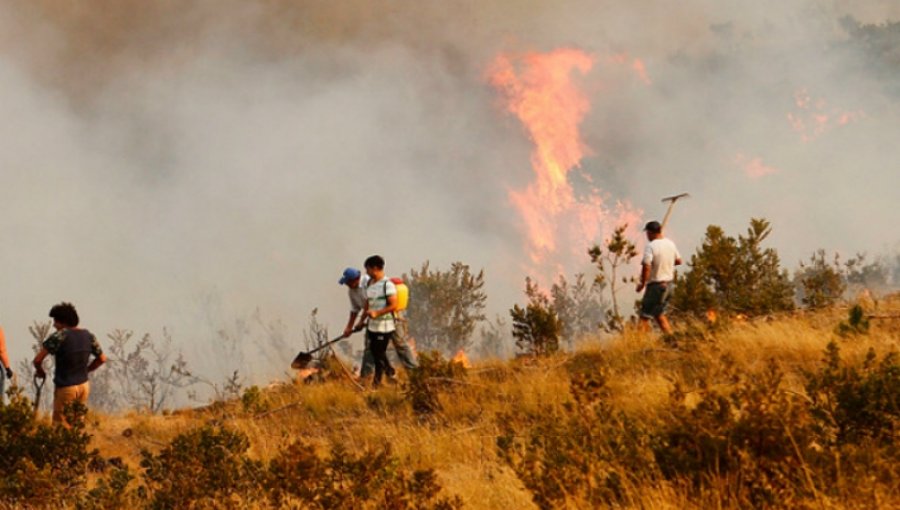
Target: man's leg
x: 644, y: 325
x: 664, y: 324
x: 378, y: 345
x: 61, y: 398
x: 368, y: 361
x: 404, y: 353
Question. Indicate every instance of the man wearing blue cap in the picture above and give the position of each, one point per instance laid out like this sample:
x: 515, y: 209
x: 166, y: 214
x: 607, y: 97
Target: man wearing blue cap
x: 356, y: 290
x: 657, y: 272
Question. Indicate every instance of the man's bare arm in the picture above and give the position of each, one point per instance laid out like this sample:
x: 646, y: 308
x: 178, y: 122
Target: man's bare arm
x: 99, y: 360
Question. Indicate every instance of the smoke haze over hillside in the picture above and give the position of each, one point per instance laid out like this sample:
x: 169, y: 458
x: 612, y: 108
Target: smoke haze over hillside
x: 182, y: 166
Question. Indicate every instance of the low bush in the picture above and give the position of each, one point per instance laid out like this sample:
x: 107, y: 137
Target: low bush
x: 372, y: 479
x: 752, y: 434
x: 585, y: 453
x: 42, y: 463
x: 856, y: 403
x: 199, y: 468
x: 433, y: 375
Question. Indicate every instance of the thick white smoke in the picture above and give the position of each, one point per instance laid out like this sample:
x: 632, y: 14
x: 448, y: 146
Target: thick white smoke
x: 183, y: 167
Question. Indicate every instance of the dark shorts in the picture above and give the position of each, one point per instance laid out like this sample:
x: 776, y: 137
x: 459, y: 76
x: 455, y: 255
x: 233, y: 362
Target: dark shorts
x: 656, y: 297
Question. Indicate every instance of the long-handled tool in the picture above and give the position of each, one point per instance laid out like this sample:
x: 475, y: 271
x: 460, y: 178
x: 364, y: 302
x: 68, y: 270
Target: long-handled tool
x: 671, y: 200
x: 38, y: 386
x: 303, y: 359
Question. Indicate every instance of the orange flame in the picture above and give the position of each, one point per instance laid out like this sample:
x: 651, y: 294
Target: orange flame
x: 813, y: 118
x: 754, y: 167
x: 539, y: 90
x: 461, y: 358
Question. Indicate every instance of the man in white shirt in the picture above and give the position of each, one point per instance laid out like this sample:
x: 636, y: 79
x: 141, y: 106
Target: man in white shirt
x: 381, y: 303
x: 657, y: 272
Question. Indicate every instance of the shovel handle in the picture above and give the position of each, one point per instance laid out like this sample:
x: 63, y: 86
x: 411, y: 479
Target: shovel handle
x: 338, y: 339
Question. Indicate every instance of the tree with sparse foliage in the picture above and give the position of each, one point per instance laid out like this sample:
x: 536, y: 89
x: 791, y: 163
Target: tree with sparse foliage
x: 619, y: 251
x: 494, y: 335
x: 860, y: 274
x: 143, y: 374
x: 445, y: 306
x: 579, y: 306
x: 536, y: 327
x: 735, y: 275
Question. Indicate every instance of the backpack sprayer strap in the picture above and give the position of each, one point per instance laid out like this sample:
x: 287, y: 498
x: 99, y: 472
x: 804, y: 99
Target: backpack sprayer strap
x: 394, y: 313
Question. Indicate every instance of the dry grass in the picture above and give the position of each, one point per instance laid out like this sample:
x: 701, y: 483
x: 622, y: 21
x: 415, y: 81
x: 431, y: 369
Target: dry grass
x: 460, y: 442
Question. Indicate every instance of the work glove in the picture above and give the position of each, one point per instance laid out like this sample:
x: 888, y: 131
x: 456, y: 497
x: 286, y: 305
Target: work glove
x: 9, y: 373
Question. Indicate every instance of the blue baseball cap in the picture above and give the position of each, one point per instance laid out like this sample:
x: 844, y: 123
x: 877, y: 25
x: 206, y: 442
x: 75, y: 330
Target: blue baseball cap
x: 351, y: 273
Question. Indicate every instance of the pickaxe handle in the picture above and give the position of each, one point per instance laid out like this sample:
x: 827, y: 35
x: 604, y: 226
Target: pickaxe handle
x: 671, y: 200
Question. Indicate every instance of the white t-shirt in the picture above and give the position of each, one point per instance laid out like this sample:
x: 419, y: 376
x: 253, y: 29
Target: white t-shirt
x: 660, y: 255
x: 358, y: 295
x: 377, y: 293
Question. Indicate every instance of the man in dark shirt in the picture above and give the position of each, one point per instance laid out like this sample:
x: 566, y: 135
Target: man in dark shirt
x: 72, y: 347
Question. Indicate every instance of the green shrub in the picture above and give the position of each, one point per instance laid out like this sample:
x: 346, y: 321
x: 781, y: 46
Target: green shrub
x: 853, y: 404
x: 536, y: 327
x: 112, y: 492
x: 371, y: 479
x: 199, y: 468
x: 253, y: 401
x: 44, y: 464
x: 752, y: 435
x: 584, y: 453
x: 820, y: 283
x: 734, y: 275
x: 445, y: 306
x: 856, y: 323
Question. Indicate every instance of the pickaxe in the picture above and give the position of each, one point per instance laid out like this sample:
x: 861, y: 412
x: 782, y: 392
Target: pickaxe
x: 671, y: 200
x: 38, y: 386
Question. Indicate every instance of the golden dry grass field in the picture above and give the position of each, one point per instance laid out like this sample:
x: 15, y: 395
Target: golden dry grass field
x: 460, y: 441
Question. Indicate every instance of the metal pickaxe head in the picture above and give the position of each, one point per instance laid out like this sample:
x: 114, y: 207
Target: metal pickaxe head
x: 671, y: 200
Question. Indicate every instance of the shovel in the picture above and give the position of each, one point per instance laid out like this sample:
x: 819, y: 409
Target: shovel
x: 303, y: 359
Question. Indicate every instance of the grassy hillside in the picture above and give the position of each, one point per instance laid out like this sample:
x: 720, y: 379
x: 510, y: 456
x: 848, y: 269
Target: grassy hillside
x: 729, y: 415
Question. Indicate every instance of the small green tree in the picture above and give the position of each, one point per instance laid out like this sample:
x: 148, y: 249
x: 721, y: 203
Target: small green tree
x: 819, y: 282
x: 536, y: 327
x: 445, y: 306
x: 735, y: 275
x: 619, y: 251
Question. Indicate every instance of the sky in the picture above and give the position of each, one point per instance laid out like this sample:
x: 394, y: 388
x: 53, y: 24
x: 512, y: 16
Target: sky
x: 211, y: 168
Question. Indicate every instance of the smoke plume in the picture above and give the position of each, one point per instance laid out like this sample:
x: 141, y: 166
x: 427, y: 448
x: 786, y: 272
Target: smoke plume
x: 211, y: 167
